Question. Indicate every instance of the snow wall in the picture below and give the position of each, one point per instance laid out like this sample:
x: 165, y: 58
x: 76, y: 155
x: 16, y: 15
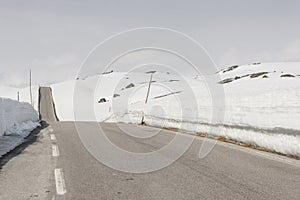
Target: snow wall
x: 13, y: 113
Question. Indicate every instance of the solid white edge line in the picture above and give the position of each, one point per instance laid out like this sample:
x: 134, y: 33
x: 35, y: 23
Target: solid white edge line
x: 60, y: 182
x: 55, y: 150
x: 52, y: 137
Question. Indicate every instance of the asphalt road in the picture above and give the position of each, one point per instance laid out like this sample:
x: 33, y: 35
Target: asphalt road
x: 46, y: 105
x: 228, y: 172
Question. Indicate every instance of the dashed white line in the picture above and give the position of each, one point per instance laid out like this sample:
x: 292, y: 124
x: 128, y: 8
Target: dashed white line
x: 60, y: 182
x: 52, y: 137
x: 55, y: 150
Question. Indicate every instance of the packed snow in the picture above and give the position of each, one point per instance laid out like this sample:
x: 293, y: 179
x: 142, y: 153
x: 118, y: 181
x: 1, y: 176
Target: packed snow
x: 17, y: 120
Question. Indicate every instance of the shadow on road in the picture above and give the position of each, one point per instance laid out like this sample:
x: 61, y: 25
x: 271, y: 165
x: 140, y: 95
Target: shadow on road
x: 30, y: 139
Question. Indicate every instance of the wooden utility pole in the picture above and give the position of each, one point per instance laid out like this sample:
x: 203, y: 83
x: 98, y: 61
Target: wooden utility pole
x: 18, y: 93
x: 30, y: 87
x: 148, y: 91
x: 146, y: 101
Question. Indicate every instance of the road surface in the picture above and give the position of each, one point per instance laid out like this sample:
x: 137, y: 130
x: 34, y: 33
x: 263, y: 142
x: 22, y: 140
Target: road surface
x: 46, y: 105
x: 228, y: 172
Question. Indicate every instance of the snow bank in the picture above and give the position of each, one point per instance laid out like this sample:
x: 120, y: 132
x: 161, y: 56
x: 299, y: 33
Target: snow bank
x: 277, y: 140
x: 16, y: 117
x: 261, y: 103
x: 22, y: 129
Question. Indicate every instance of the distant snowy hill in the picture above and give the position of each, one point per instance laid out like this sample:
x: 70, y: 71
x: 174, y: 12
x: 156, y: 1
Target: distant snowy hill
x: 263, y: 95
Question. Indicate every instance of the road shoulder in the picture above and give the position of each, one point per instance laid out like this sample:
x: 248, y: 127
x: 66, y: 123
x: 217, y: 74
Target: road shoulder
x: 28, y: 175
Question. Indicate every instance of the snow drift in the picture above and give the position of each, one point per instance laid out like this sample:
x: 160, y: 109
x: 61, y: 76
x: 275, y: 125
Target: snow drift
x: 16, y: 117
x: 17, y: 120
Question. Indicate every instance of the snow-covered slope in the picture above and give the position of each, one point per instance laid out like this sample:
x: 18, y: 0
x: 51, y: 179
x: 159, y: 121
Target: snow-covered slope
x: 263, y: 95
x: 261, y: 103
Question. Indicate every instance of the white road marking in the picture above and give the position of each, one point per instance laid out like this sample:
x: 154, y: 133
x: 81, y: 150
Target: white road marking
x: 55, y: 150
x: 60, y: 182
x: 52, y: 137
x: 51, y: 130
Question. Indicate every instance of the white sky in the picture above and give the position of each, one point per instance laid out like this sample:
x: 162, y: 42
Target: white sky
x: 53, y: 37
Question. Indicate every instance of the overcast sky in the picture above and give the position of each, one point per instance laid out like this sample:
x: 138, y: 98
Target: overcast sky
x: 53, y: 37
